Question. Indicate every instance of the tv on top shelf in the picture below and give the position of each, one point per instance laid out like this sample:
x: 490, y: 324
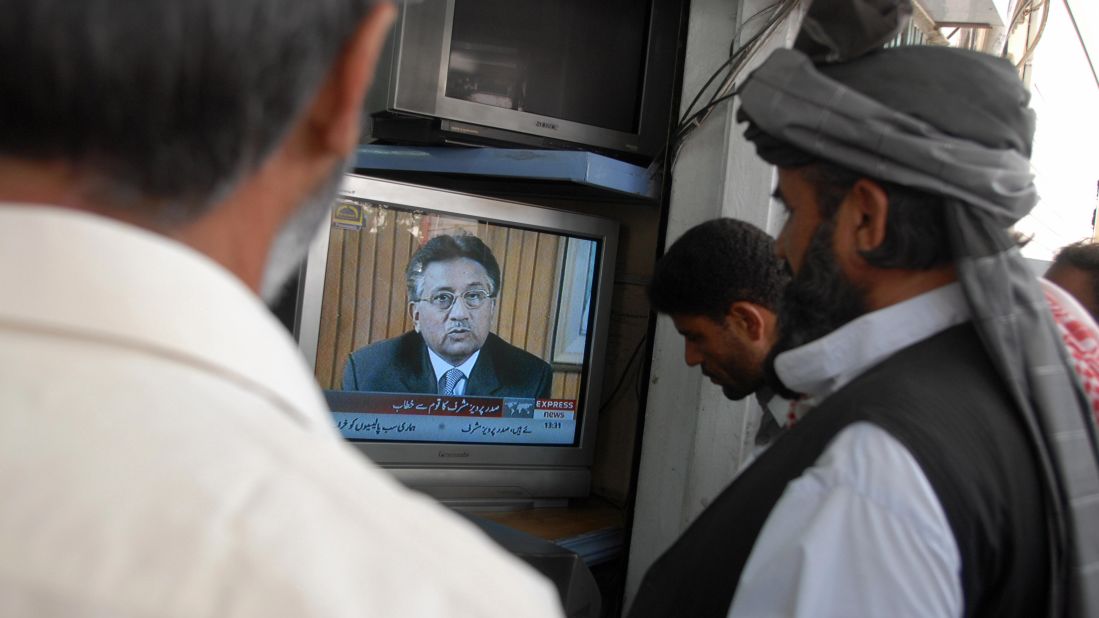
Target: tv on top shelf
x: 460, y: 339
x: 568, y: 74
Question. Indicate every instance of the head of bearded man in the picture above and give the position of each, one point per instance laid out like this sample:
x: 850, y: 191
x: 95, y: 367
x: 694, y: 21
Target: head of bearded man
x: 871, y: 156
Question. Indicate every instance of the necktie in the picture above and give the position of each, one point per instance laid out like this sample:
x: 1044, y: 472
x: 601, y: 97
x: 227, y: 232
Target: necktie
x: 450, y: 380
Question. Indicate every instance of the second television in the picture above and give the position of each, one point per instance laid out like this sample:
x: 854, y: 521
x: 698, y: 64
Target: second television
x: 562, y: 74
x: 460, y: 340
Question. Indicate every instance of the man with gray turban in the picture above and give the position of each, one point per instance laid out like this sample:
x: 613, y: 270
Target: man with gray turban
x: 949, y: 465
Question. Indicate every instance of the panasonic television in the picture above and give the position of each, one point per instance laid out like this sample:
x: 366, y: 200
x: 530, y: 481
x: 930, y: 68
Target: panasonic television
x: 525, y: 434
x: 568, y: 73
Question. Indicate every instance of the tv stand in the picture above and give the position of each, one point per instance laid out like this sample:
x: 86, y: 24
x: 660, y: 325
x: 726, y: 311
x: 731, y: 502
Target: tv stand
x: 593, y: 528
x: 563, y: 544
x: 496, y: 506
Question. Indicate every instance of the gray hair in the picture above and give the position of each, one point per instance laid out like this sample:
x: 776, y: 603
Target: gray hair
x: 447, y: 247
x: 162, y: 102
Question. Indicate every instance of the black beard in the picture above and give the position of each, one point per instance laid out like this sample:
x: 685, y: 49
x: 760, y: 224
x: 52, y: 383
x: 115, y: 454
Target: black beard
x: 732, y: 393
x: 818, y: 300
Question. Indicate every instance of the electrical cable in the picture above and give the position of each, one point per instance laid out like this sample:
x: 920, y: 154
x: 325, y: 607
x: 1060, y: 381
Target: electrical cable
x: 1032, y: 45
x: 696, y: 119
x: 701, y: 90
x: 1083, y: 45
x: 1016, y: 15
x: 625, y: 374
x: 732, y: 67
x: 732, y: 55
x: 1021, y: 11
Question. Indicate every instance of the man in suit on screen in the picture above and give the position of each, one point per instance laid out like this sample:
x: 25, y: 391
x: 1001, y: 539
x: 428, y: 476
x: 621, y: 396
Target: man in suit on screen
x: 453, y: 283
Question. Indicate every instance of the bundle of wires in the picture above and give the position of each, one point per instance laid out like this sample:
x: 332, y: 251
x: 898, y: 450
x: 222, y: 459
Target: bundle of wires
x: 1022, y: 11
x: 727, y: 73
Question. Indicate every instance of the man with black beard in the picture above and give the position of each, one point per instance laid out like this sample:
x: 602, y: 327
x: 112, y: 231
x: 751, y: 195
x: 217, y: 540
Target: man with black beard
x: 818, y: 300
x: 164, y: 450
x: 948, y: 466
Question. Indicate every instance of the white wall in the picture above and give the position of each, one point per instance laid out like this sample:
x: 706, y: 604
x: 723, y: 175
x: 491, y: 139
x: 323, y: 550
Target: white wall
x: 694, y: 438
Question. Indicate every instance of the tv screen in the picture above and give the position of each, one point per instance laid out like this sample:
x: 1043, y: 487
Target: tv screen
x: 575, y: 60
x: 458, y: 333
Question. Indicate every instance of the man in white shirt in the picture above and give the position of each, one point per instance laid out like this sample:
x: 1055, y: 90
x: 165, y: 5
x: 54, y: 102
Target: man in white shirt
x: 164, y: 451
x: 948, y: 465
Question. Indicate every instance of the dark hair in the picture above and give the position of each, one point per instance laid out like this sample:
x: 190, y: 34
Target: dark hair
x: 446, y: 247
x: 715, y: 264
x: 162, y: 102
x: 1083, y: 256
x: 916, y: 236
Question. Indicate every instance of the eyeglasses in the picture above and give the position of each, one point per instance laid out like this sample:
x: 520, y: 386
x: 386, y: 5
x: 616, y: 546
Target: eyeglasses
x: 472, y: 299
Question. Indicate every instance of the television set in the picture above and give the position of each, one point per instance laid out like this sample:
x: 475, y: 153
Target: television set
x: 564, y: 74
x: 525, y: 435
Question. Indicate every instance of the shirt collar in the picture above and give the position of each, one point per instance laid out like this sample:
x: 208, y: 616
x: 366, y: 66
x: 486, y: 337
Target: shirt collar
x: 441, y: 366
x: 823, y: 366
x: 784, y: 411
x: 80, y: 275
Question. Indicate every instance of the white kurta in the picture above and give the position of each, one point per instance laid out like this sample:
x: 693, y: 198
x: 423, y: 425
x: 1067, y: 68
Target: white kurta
x: 164, y: 451
x: 861, y: 532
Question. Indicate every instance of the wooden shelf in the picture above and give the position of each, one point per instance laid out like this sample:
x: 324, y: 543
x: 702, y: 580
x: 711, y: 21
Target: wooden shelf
x: 594, y: 529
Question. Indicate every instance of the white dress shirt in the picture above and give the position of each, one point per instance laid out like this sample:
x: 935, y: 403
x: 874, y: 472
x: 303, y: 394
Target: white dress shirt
x: 164, y: 451
x: 778, y: 414
x: 861, y: 532
x: 440, y: 367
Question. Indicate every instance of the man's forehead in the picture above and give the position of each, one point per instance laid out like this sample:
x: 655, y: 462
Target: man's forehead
x: 1073, y: 279
x: 692, y: 323
x: 455, y: 273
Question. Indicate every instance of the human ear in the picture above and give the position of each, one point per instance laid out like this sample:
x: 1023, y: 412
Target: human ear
x: 415, y: 315
x: 870, y: 208
x: 748, y: 318
x: 336, y: 112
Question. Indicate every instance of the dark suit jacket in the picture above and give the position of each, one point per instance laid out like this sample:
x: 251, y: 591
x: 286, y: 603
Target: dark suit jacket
x: 401, y: 365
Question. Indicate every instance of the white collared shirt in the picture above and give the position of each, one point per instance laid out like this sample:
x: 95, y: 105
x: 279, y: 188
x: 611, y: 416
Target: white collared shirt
x: 778, y: 414
x: 440, y: 367
x: 861, y: 532
x: 165, y: 451
x: 822, y: 367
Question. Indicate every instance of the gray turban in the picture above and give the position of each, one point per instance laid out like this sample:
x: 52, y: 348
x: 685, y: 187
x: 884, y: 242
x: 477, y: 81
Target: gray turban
x: 955, y: 123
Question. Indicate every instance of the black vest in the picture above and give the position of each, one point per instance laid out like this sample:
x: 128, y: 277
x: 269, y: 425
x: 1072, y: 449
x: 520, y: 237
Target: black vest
x: 944, y: 402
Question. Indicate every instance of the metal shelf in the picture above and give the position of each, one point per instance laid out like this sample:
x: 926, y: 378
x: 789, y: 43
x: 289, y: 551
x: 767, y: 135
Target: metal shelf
x: 546, y: 173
